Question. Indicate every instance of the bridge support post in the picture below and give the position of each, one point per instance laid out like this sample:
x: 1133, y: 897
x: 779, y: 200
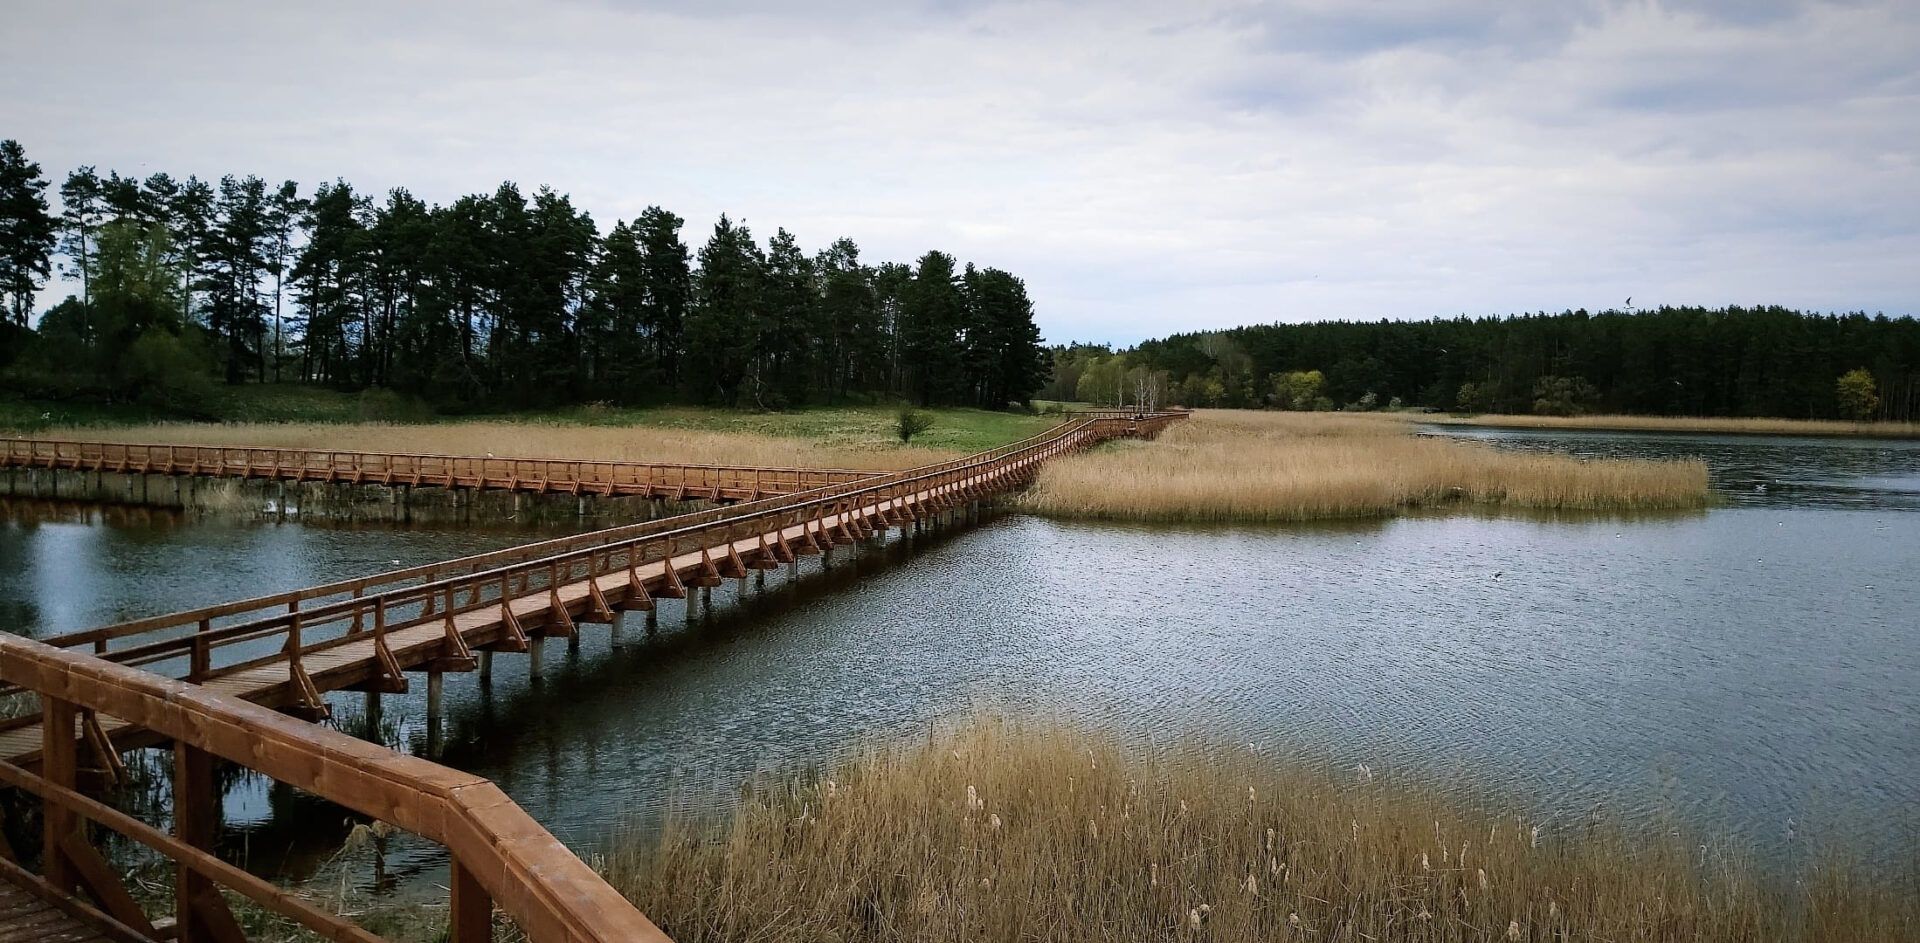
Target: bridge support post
x: 653, y: 619
x: 200, y: 913
x: 59, y: 765
x: 706, y: 602
x: 436, y: 688
x: 471, y: 919
x: 613, y: 632
x: 486, y: 667
x: 534, y: 646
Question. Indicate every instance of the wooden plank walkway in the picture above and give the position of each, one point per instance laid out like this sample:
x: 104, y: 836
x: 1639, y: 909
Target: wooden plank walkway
x: 289, y: 649
x: 26, y: 918
x: 427, y: 627
x: 416, y: 470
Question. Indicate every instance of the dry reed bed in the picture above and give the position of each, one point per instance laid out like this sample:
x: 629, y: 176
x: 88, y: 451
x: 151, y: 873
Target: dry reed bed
x: 995, y: 832
x: 1266, y: 466
x: 1738, y: 426
x: 529, y: 440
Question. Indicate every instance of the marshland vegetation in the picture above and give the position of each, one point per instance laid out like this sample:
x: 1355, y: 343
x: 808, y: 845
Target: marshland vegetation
x: 1239, y: 465
x: 1725, y: 425
x: 999, y: 832
x: 864, y: 437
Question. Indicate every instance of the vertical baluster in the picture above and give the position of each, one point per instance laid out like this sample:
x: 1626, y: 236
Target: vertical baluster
x: 200, y: 661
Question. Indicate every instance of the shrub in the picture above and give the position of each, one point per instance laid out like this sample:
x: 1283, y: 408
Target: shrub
x: 911, y: 423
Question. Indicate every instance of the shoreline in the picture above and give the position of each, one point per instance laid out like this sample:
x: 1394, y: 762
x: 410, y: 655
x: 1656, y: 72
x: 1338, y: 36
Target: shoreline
x: 1680, y: 425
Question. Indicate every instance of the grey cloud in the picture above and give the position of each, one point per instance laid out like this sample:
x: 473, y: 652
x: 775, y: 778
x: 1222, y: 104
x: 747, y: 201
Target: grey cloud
x: 1148, y: 167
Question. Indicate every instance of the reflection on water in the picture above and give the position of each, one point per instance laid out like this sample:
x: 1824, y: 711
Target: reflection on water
x: 1754, y: 669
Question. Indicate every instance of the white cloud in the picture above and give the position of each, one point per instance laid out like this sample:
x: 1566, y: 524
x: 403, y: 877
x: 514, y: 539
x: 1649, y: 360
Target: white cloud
x: 1147, y: 167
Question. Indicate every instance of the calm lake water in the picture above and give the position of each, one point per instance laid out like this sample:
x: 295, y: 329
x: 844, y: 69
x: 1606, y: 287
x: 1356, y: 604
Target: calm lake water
x: 1752, y: 670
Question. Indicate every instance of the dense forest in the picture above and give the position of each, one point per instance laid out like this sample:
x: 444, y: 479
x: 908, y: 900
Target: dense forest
x: 1669, y: 361
x: 498, y: 299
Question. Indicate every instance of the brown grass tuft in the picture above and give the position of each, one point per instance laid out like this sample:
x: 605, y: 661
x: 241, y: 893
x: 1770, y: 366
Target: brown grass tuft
x: 1097, y: 841
x: 1224, y: 465
x: 528, y: 440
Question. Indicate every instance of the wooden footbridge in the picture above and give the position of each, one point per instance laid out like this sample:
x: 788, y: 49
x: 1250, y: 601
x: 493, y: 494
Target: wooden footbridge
x: 239, y: 682
x: 412, y: 470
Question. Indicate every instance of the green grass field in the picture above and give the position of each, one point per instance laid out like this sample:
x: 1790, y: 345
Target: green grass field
x: 967, y: 430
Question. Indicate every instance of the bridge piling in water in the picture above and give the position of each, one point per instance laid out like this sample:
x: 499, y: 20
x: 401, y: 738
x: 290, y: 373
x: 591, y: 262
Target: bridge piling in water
x: 509, y: 600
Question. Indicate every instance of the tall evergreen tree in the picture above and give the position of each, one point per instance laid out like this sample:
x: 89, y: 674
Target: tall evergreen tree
x: 720, y: 325
x: 622, y: 358
x: 81, y: 213
x: 284, y: 209
x: 668, y: 288
x: 235, y: 251
x: 852, y: 343
x: 27, y: 234
x: 785, y: 324
x: 1006, y: 360
x: 190, y: 224
x: 933, y: 313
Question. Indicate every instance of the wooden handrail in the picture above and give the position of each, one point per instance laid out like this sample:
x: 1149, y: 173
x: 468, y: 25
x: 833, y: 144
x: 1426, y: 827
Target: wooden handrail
x: 484, y: 568
x: 499, y: 853
x: 337, y: 458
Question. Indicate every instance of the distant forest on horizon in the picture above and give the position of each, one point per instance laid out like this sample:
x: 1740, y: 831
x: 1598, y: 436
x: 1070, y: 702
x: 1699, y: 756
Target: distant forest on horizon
x: 1669, y: 361
x: 501, y: 299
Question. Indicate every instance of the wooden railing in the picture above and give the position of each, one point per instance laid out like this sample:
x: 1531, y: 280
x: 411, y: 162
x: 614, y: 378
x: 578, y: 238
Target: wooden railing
x: 302, y: 622
x: 498, y: 853
x: 538, y: 475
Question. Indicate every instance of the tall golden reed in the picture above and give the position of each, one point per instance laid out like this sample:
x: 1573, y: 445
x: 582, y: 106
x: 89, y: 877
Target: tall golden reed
x: 1710, y: 424
x: 530, y: 440
x: 995, y: 832
x: 1226, y: 465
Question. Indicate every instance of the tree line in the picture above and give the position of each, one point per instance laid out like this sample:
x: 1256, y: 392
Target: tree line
x: 1763, y: 361
x: 496, y: 299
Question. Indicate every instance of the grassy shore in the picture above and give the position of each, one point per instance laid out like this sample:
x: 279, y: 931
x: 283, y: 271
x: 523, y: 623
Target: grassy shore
x: 1724, y: 425
x: 995, y: 832
x: 1224, y: 465
x: 301, y: 417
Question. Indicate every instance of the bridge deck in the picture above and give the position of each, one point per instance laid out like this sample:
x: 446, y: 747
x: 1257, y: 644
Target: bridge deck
x: 474, y: 472
x: 26, y: 918
x: 356, y: 659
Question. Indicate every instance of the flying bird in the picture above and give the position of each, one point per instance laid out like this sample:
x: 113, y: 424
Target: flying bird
x: 1629, y: 301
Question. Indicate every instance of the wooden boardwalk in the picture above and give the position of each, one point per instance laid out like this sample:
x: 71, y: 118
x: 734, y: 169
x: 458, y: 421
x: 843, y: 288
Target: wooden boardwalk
x: 26, y: 917
x: 220, y: 682
x: 403, y: 469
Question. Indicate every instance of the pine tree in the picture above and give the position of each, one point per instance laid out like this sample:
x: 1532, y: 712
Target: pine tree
x: 27, y: 233
x: 933, y: 313
x: 235, y: 252
x: 785, y: 324
x: 284, y: 209
x: 851, y: 341
x: 667, y: 288
x: 80, y: 215
x: 720, y: 324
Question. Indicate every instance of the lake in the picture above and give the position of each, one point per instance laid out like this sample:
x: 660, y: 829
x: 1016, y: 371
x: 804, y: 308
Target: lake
x: 1751, y: 671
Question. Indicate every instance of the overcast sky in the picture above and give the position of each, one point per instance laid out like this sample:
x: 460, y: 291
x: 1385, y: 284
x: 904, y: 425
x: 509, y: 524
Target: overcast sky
x: 1146, y: 167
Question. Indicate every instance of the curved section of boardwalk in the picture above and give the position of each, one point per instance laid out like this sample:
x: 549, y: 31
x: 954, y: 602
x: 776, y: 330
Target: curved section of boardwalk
x: 214, y: 680
x: 404, y: 469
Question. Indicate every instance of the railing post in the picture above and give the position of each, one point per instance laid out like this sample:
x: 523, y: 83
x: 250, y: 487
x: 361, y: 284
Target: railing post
x: 471, y: 920
x: 200, y: 661
x: 59, y: 764
x: 196, y: 813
